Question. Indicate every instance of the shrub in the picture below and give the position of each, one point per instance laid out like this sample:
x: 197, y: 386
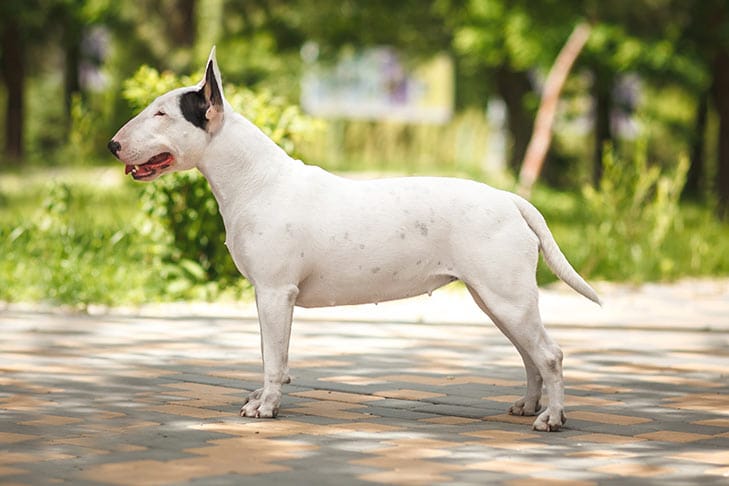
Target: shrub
x: 70, y: 246
x: 633, y: 213
x: 184, y: 214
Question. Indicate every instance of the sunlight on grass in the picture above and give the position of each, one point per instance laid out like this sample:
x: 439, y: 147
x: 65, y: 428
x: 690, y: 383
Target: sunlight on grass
x: 68, y: 237
x: 81, y: 236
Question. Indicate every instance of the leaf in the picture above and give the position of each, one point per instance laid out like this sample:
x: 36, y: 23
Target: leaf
x: 193, y: 269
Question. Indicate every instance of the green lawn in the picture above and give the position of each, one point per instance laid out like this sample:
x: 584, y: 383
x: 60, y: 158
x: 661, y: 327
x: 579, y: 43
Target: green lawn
x: 81, y: 236
x: 73, y: 237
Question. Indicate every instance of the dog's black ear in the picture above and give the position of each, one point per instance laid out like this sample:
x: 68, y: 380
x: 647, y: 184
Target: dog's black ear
x: 204, y: 107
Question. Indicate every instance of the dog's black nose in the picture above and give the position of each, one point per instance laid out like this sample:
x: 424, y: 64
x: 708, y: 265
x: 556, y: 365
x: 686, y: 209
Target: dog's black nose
x: 114, y: 146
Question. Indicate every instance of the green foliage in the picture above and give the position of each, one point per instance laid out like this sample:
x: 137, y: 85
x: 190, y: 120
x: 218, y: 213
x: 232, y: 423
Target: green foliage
x: 72, y: 242
x: 184, y: 217
x: 148, y: 83
x: 632, y: 227
x: 517, y: 34
x: 44, y: 133
x: 85, y: 137
x: 85, y: 239
x: 181, y: 217
x: 63, y: 243
x: 633, y: 212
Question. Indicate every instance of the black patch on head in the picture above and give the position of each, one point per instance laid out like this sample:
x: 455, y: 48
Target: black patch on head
x: 194, y: 106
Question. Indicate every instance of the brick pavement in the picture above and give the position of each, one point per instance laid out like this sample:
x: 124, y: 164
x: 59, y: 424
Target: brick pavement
x: 151, y: 396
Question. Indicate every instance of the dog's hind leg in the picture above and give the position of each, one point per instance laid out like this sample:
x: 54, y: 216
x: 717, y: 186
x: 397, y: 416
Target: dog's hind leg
x: 275, y: 311
x: 517, y: 315
x: 529, y: 403
x: 506, y: 290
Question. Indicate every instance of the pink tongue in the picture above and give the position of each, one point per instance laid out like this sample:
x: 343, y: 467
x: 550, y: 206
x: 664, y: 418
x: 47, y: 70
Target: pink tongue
x: 143, y: 171
x: 160, y: 161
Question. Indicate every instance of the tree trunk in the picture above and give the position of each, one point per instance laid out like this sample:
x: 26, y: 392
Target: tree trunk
x: 721, y: 99
x: 695, y: 175
x: 13, y: 73
x: 513, y: 86
x: 602, y: 97
x: 541, y: 137
x: 182, y: 23
x: 72, y: 51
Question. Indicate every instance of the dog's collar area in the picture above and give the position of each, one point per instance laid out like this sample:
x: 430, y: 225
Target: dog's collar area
x: 151, y: 167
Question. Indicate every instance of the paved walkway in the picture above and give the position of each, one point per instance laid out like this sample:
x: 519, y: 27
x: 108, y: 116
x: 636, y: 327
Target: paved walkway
x: 384, y: 394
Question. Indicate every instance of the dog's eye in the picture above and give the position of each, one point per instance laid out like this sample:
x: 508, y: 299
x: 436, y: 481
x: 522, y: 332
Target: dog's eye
x: 160, y: 113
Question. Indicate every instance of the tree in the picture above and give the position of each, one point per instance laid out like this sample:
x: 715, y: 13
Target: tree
x: 714, y: 41
x: 694, y: 187
x: 13, y: 68
x: 72, y: 30
x: 640, y: 38
x: 17, y: 21
x: 720, y: 90
x: 512, y: 39
x: 703, y: 27
x: 542, y: 136
x: 26, y: 26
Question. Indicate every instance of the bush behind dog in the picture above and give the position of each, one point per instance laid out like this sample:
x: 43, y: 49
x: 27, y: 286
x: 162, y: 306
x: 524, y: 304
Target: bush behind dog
x: 635, y: 209
x: 183, y: 213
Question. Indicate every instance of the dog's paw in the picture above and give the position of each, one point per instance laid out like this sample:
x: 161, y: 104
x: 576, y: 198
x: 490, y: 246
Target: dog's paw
x: 524, y: 407
x: 261, y: 404
x: 550, y: 421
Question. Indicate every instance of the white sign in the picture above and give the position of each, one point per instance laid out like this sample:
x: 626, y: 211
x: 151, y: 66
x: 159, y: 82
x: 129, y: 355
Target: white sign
x: 375, y: 84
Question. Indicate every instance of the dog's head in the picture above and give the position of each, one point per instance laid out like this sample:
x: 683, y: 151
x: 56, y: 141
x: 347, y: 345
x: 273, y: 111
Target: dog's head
x: 172, y: 132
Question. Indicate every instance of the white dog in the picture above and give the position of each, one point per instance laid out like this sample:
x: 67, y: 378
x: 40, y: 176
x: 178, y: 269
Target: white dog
x: 305, y: 237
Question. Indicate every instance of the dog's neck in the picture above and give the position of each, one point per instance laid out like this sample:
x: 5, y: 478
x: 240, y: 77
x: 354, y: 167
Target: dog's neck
x: 239, y: 162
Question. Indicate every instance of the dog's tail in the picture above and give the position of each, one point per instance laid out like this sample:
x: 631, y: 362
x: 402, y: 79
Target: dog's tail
x: 554, y: 257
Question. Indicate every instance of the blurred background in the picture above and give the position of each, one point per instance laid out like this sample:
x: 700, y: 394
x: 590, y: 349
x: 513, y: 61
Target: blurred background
x: 635, y: 184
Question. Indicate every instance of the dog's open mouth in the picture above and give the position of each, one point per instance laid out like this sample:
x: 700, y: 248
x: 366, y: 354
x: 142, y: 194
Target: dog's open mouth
x: 151, y: 167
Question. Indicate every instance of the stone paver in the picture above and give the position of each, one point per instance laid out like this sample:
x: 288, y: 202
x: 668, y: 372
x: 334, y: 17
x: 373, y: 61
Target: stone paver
x: 151, y: 396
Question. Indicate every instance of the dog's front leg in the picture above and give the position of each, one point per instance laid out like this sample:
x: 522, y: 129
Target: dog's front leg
x: 275, y: 310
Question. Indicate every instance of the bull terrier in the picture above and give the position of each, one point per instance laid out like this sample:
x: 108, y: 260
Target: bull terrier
x: 305, y: 237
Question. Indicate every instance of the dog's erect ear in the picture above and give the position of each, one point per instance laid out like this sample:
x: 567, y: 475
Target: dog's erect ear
x: 204, y: 105
x: 212, y: 89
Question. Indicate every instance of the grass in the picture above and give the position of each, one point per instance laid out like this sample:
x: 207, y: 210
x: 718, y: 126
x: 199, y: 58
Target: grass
x: 696, y: 244
x: 67, y: 237
x: 79, y: 236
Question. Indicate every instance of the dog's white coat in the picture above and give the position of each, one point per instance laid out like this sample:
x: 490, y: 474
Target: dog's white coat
x: 305, y: 237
